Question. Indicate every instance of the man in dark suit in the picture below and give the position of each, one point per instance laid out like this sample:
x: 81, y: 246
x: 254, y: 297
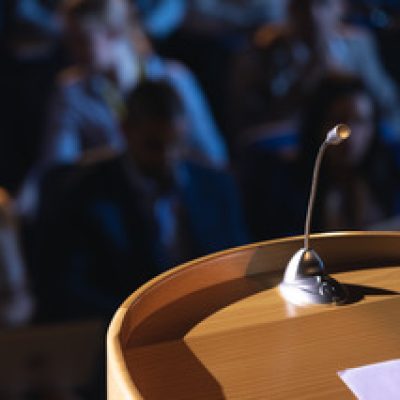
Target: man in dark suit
x: 108, y: 226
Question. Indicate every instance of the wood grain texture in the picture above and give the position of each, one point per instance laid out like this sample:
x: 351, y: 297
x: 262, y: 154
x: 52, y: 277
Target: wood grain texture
x: 217, y: 327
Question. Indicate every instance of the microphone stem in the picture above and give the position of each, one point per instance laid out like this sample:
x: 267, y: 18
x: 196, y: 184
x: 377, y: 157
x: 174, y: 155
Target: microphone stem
x: 313, y: 193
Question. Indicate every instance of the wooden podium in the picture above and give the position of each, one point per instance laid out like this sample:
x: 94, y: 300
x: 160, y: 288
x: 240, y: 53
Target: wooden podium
x: 217, y: 327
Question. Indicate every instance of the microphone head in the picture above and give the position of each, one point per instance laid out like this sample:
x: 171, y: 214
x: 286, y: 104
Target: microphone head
x: 337, y: 134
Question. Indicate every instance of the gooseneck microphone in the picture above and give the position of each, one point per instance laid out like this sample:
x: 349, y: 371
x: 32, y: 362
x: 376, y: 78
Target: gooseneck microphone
x: 335, y: 136
x: 305, y: 280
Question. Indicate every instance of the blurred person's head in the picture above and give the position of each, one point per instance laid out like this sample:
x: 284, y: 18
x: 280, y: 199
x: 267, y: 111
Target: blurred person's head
x: 102, y: 36
x: 311, y: 18
x: 342, y: 99
x: 155, y: 129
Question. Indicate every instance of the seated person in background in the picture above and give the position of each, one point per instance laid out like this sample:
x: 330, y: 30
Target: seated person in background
x: 84, y: 111
x: 282, y: 70
x: 106, y: 227
x: 359, y: 184
x: 112, y: 54
x: 16, y: 302
x: 359, y: 180
x: 204, y: 138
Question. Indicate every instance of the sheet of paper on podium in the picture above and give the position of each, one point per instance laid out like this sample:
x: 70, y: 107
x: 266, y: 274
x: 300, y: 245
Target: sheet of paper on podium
x: 375, y: 381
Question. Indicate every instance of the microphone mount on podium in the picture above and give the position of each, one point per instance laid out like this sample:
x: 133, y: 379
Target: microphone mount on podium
x: 305, y: 280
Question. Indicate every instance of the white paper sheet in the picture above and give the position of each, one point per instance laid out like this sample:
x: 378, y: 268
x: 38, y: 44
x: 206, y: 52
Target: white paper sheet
x: 379, y: 381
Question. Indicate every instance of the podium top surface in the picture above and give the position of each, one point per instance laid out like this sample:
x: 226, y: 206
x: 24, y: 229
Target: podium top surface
x: 218, y: 328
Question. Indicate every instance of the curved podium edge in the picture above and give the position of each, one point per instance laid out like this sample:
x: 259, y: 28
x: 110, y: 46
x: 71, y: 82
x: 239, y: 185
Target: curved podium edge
x: 141, y: 301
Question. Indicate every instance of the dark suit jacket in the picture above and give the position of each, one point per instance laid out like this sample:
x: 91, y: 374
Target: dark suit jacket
x: 96, y: 239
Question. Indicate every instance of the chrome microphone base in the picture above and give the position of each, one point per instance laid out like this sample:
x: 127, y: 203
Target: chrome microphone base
x: 305, y: 281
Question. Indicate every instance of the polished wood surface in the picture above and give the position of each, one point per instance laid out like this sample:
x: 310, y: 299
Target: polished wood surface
x: 217, y: 327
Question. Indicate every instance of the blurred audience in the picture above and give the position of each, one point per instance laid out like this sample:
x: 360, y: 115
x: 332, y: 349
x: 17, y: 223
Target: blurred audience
x: 110, y: 225
x: 112, y: 55
x: 211, y: 35
x: 128, y: 166
x: 359, y: 183
x: 287, y: 61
